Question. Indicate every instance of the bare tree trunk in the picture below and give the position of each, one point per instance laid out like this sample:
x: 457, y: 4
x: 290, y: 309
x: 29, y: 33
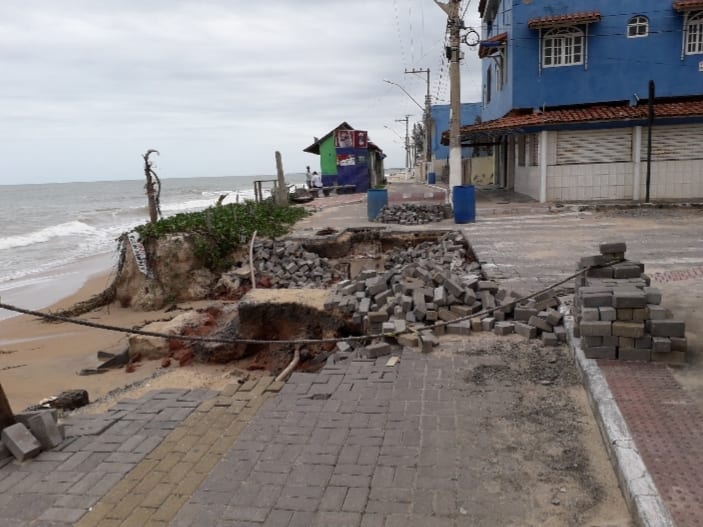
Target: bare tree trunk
x: 150, y: 191
x: 7, y: 418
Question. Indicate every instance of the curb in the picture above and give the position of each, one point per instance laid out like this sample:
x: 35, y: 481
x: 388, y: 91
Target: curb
x: 640, y: 492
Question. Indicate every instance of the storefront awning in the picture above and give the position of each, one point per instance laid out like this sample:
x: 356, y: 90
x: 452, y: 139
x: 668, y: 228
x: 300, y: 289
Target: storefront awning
x: 688, y: 5
x: 570, y: 19
x: 490, y: 45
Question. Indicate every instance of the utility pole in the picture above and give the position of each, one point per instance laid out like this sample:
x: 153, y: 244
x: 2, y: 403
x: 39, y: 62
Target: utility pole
x: 454, y: 54
x: 406, y: 120
x: 428, y: 116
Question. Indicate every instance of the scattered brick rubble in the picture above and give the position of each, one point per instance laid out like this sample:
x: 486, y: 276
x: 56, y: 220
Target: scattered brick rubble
x: 285, y: 264
x: 437, y: 282
x: 619, y: 316
x: 34, y: 431
x: 413, y: 214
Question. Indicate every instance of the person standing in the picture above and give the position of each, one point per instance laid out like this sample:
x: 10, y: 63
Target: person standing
x: 308, y: 177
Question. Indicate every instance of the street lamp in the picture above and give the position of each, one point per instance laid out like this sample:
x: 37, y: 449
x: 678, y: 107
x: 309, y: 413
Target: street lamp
x: 406, y: 93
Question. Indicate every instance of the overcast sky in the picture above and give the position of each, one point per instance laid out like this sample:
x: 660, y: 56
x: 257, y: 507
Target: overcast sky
x: 217, y: 86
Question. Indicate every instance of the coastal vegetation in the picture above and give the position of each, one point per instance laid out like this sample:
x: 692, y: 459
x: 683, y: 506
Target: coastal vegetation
x: 218, y: 230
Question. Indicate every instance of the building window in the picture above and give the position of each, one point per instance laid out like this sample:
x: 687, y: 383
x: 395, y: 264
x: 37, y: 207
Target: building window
x: 638, y: 26
x: 488, y: 85
x: 562, y: 47
x: 694, y: 34
x: 533, y: 150
x: 521, y: 140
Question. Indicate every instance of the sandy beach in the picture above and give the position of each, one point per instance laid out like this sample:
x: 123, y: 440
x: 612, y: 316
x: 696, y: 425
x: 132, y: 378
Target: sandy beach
x: 39, y: 359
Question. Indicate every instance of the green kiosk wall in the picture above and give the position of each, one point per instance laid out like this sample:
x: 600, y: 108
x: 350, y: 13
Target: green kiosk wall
x: 328, y: 157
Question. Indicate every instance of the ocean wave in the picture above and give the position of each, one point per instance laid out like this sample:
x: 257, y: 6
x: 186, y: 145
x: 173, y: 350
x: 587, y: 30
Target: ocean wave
x: 70, y: 228
x: 200, y: 204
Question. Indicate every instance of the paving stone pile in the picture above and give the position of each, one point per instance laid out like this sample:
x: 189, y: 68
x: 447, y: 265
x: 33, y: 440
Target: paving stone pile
x: 34, y: 431
x: 413, y: 214
x: 620, y: 316
x: 437, y: 282
x: 285, y: 264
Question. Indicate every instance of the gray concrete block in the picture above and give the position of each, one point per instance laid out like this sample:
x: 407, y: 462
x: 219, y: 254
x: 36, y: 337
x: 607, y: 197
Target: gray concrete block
x: 487, y: 285
x: 639, y: 314
x: 453, y: 288
x: 624, y: 298
x: 554, y: 317
x: 654, y: 295
x: 540, y: 324
x: 612, y: 247
x: 431, y: 315
x: 377, y: 317
x: 667, y: 328
x: 644, y: 342
x: 504, y: 328
x: 598, y: 328
x: 407, y: 339
x: 626, y: 270
x: 488, y: 301
x: 20, y: 442
x: 679, y: 344
x: 657, y: 312
x: 633, y: 354
x: 4, y: 452
x: 600, y: 272
x: 379, y: 349
x: 596, y: 299
x: 560, y: 332
x: 626, y: 342
x: 462, y: 311
x: 440, y: 296
x: 488, y: 323
x: 459, y: 328
x: 523, y: 313
x: 591, y: 342
x: 624, y: 314
x: 607, y: 313
x: 544, y: 303
x: 43, y: 427
x: 590, y: 313
x: 549, y: 339
x: 447, y: 315
x: 429, y: 341
x: 469, y: 297
x: 590, y: 261
x: 499, y: 315
x: 628, y: 329
x: 610, y: 340
x: 600, y: 352
x: 476, y: 324
x: 525, y: 330
x: 661, y: 344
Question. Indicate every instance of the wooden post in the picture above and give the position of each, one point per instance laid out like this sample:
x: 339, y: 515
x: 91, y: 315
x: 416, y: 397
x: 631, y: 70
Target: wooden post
x: 281, y: 197
x: 7, y: 418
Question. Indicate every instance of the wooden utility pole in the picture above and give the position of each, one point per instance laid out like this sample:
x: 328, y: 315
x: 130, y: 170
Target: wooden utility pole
x: 7, y: 418
x: 281, y: 197
x: 152, y: 191
x: 428, y: 115
x: 454, y: 54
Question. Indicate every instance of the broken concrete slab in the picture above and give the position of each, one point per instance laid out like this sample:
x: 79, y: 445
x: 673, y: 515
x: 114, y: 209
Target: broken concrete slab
x: 20, y: 442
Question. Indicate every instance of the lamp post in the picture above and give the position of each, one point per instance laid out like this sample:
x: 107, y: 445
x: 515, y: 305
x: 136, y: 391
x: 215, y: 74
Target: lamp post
x: 425, y: 111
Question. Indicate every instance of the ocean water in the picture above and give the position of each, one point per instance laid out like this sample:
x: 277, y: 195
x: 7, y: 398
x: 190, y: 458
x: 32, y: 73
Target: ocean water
x: 46, y: 229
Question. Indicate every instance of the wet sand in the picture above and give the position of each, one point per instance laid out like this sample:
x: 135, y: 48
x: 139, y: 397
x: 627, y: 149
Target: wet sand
x: 39, y: 359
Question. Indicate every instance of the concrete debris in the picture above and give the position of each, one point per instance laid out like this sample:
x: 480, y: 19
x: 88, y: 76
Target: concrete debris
x: 618, y: 315
x: 286, y: 264
x: 413, y: 214
x: 438, y: 282
x: 20, y: 442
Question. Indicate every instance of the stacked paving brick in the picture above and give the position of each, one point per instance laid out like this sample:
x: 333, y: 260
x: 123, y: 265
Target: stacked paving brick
x: 34, y: 431
x: 413, y: 214
x: 619, y: 315
x: 286, y: 264
x: 437, y: 282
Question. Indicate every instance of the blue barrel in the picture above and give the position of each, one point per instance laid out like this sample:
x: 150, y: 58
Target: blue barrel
x: 464, y: 203
x: 376, y: 198
x: 431, y: 178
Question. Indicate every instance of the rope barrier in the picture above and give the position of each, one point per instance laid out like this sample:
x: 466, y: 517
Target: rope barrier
x: 215, y: 340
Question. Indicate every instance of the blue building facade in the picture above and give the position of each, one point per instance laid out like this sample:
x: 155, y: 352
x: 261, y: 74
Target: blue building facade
x: 566, y: 97
x: 560, y: 53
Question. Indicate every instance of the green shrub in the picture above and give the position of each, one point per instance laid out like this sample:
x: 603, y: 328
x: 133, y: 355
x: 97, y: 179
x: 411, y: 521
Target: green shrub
x: 218, y: 230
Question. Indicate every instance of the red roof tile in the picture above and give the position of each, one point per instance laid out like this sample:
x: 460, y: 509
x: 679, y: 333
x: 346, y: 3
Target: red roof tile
x: 563, y: 20
x: 686, y: 5
x: 520, y: 119
x: 485, y: 51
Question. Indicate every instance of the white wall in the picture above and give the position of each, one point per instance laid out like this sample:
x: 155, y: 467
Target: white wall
x: 590, y: 182
x: 527, y: 181
x: 674, y: 179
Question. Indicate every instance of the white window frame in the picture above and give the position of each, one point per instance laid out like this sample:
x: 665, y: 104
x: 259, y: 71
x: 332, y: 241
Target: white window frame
x: 638, y: 26
x: 563, y: 46
x: 693, y: 34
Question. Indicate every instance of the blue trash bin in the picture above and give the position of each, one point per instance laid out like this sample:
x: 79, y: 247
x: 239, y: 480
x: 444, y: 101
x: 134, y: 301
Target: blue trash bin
x: 376, y: 198
x: 431, y: 178
x: 464, y: 203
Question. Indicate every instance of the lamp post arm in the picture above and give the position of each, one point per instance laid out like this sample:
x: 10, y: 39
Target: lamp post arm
x: 406, y: 93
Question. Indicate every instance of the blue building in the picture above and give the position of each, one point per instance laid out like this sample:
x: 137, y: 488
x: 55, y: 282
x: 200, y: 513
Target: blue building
x: 566, y: 97
x: 477, y: 163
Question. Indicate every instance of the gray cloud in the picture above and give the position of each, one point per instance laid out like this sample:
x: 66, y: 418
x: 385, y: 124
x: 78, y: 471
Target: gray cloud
x: 88, y: 86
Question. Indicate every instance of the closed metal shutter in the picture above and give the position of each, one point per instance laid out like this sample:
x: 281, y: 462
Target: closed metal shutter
x: 671, y: 143
x: 594, y: 146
